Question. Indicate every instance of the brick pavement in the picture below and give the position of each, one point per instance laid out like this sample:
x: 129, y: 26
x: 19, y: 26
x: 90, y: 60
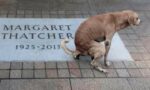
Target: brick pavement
x: 79, y: 75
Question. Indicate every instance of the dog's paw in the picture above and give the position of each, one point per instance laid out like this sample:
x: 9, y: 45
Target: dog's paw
x: 101, y: 69
x: 107, y: 64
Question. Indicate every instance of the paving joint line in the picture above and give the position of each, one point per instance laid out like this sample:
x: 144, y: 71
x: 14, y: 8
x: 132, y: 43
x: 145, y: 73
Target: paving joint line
x: 74, y: 78
x: 69, y: 75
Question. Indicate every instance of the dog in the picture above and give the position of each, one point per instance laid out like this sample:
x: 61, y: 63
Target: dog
x: 99, y: 28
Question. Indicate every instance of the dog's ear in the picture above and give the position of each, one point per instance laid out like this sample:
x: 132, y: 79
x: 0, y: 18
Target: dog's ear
x: 129, y: 16
x: 131, y: 20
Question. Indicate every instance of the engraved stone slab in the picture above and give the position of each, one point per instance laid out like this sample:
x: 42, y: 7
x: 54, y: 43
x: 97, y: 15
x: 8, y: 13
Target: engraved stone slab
x: 39, y: 40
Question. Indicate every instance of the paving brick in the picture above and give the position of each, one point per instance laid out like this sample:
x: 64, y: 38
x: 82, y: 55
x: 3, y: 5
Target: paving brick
x: 50, y: 64
x: 29, y: 12
x: 99, y: 74
x: 143, y: 29
x: 3, y: 11
x: 124, y: 37
x: 147, y: 14
x: 63, y: 16
x: 15, y: 74
x: 134, y: 73
x: 63, y: 73
x: 45, y: 16
x: 141, y: 64
x: 20, y: 12
x: 141, y: 49
x: 51, y: 73
x: 3, y: 15
x: 53, y: 12
x: 16, y: 65
x: 12, y: 12
x: 27, y: 74
x: 137, y: 43
x: 129, y: 31
x: 77, y: 16
x: 146, y: 56
x: 128, y: 43
x: 37, y: 16
x: 45, y: 12
x: 133, y: 36
x: 39, y: 74
x: 148, y: 63
x: 119, y: 64
x: 100, y: 84
x: 112, y: 73
x: 11, y: 16
x: 137, y: 56
x: 93, y: 13
x: 4, y: 73
x: 145, y: 72
x: 132, y: 49
x: 68, y: 16
x: 37, y: 12
x: 75, y: 72
x: 77, y: 12
x: 28, y: 16
x: 53, y: 16
x: 4, y: 65
x: 142, y: 14
x: 79, y: 1
x: 69, y: 12
x: 39, y: 65
x: 84, y: 64
x: 85, y: 15
x: 130, y: 64
x: 87, y: 73
x: 20, y: 16
x: 61, y: 12
x: 35, y: 84
x: 73, y: 64
x: 122, y: 73
x: 62, y: 65
x: 28, y: 65
x: 122, y: 32
x: 139, y: 83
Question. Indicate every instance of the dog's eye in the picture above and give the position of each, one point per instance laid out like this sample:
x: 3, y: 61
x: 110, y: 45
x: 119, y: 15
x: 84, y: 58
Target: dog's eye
x: 137, y: 18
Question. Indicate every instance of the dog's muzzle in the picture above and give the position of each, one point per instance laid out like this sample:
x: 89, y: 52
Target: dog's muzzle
x: 138, y: 22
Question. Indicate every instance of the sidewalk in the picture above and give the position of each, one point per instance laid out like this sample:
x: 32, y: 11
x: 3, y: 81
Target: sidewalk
x: 78, y: 75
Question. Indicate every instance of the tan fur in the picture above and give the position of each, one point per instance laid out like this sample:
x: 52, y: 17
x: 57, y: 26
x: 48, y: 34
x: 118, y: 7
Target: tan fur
x: 101, y: 26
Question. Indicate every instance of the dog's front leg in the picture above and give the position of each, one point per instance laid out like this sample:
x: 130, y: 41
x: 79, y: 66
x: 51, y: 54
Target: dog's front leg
x: 107, y: 47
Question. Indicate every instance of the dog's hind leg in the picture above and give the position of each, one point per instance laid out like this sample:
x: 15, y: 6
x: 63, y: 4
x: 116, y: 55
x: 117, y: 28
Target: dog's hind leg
x: 97, y: 51
x: 96, y: 64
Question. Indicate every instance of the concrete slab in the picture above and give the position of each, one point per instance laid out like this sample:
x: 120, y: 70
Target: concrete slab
x: 100, y: 84
x: 139, y: 83
x: 38, y: 84
x: 39, y: 40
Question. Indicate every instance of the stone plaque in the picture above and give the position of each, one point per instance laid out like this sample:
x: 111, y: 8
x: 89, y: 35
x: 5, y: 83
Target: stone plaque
x: 39, y: 40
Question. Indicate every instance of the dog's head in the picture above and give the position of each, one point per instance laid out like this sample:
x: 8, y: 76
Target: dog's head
x: 133, y: 18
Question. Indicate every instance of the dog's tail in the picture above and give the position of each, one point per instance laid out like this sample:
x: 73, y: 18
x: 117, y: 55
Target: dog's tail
x: 63, y: 45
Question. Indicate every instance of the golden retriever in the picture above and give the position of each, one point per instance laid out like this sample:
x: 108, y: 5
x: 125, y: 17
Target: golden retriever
x: 89, y: 34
